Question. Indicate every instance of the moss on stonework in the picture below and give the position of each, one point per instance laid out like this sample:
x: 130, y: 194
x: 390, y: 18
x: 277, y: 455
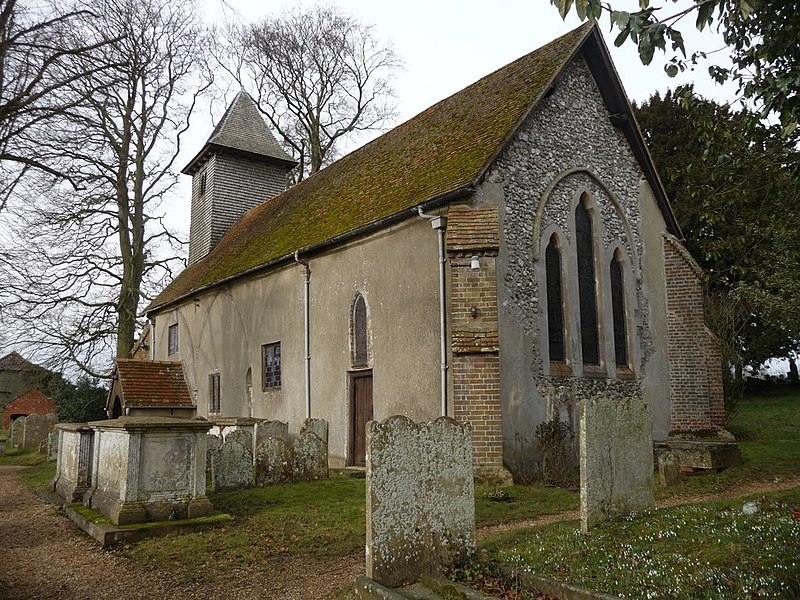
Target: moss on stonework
x: 443, y: 149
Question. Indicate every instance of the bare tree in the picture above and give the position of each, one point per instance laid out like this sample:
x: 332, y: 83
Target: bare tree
x: 35, y: 46
x: 319, y: 75
x: 83, y: 261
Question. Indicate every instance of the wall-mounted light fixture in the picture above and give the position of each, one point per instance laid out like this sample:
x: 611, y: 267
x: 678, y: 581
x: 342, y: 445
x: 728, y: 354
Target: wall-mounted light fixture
x: 475, y: 263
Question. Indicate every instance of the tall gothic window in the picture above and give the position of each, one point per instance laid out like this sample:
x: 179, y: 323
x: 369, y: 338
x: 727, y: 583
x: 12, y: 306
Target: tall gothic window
x: 618, y: 311
x: 587, y: 285
x: 555, y: 304
x: 360, y: 343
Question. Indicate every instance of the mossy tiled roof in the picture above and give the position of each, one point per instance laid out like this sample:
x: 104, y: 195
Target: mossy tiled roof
x: 442, y: 150
x: 153, y: 383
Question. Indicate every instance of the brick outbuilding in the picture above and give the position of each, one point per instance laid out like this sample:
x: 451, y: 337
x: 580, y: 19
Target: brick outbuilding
x: 31, y: 402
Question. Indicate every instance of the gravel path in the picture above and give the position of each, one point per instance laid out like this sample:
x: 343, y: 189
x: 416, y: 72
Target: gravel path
x: 44, y: 556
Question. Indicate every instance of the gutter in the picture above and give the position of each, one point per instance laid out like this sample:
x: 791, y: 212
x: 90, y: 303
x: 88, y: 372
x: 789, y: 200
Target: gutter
x: 334, y: 241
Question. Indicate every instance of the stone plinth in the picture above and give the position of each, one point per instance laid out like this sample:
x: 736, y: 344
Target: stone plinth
x: 73, y: 461
x: 616, y: 442
x: 420, y: 497
x: 702, y: 454
x: 149, y: 469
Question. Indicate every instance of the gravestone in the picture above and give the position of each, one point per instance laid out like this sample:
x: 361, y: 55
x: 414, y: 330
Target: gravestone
x: 309, y: 457
x: 213, y: 442
x: 232, y: 467
x: 3, y: 441
x: 669, y: 468
x: 616, y: 448
x: 17, y: 431
x: 318, y: 426
x: 271, y: 429
x: 52, y: 445
x: 273, y: 461
x: 37, y: 428
x: 420, y: 497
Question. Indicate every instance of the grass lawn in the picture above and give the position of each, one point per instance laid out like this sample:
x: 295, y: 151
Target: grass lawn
x: 327, y: 518
x: 706, y: 550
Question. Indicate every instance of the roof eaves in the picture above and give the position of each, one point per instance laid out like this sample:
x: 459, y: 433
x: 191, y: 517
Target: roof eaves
x: 322, y: 246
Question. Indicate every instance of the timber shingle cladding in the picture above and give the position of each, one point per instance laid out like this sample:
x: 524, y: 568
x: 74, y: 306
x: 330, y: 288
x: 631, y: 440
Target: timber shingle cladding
x: 442, y: 150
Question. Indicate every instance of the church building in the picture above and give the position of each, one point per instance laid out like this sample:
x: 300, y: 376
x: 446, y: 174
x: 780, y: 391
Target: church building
x: 498, y: 257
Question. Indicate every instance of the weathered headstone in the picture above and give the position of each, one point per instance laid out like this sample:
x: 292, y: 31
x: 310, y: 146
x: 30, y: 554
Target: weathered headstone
x: 318, y: 426
x: 232, y: 467
x: 213, y: 442
x: 669, y: 469
x: 271, y: 429
x: 616, y: 446
x: 37, y: 428
x: 420, y: 497
x: 3, y: 441
x: 52, y: 445
x: 273, y: 461
x: 17, y: 431
x: 309, y: 457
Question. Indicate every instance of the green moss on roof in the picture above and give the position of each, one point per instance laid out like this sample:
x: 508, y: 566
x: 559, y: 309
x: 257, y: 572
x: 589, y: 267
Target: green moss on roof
x: 443, y: 149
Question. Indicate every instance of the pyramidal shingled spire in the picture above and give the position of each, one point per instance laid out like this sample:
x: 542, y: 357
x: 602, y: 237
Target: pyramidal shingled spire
x: 242, y: 129
x: 240, y: 166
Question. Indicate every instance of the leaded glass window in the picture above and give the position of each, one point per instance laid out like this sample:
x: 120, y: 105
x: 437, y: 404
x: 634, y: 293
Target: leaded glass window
x: 618, y: 311
x: 587, y: 285
x: 555, y: 305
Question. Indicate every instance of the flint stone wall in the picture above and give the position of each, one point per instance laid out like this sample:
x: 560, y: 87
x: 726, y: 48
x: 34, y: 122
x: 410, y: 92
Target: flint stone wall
x: 149, y: 469
x: 616, y: 447
x: 74, y: 460
x: 420, y: 497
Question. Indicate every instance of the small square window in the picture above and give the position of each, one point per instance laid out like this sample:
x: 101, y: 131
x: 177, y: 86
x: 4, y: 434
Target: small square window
x: 271, y: 365
x: 214, y: 403
x: 172, y: 341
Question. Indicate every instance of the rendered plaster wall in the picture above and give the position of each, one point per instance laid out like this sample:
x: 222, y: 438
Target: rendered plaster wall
x: 223, y: 331
x: 566, y: 148
x: 420, y: 497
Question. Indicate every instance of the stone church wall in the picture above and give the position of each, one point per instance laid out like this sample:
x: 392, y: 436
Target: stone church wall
x: 568, y: 147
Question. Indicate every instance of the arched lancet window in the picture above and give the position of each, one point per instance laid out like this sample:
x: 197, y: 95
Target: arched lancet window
x: 587, y: 284
x: 555, y: 303
x: 360, y: 333
x: 618, y: 311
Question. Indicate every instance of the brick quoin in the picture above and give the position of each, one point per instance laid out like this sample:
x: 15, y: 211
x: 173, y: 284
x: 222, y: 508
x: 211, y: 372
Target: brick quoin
x: 695, y: 359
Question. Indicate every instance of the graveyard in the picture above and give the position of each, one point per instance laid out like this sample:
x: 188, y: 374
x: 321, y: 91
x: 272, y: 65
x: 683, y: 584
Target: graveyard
x: 695, y: 543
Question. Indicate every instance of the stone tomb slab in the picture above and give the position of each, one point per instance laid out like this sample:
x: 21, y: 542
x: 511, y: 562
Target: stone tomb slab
x: 420, y: 497
x: 73, y: 461
x: 149, y: 469
x: 616, y: 450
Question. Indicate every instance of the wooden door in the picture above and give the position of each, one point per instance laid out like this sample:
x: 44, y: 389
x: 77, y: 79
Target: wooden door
x: 360, y: 414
